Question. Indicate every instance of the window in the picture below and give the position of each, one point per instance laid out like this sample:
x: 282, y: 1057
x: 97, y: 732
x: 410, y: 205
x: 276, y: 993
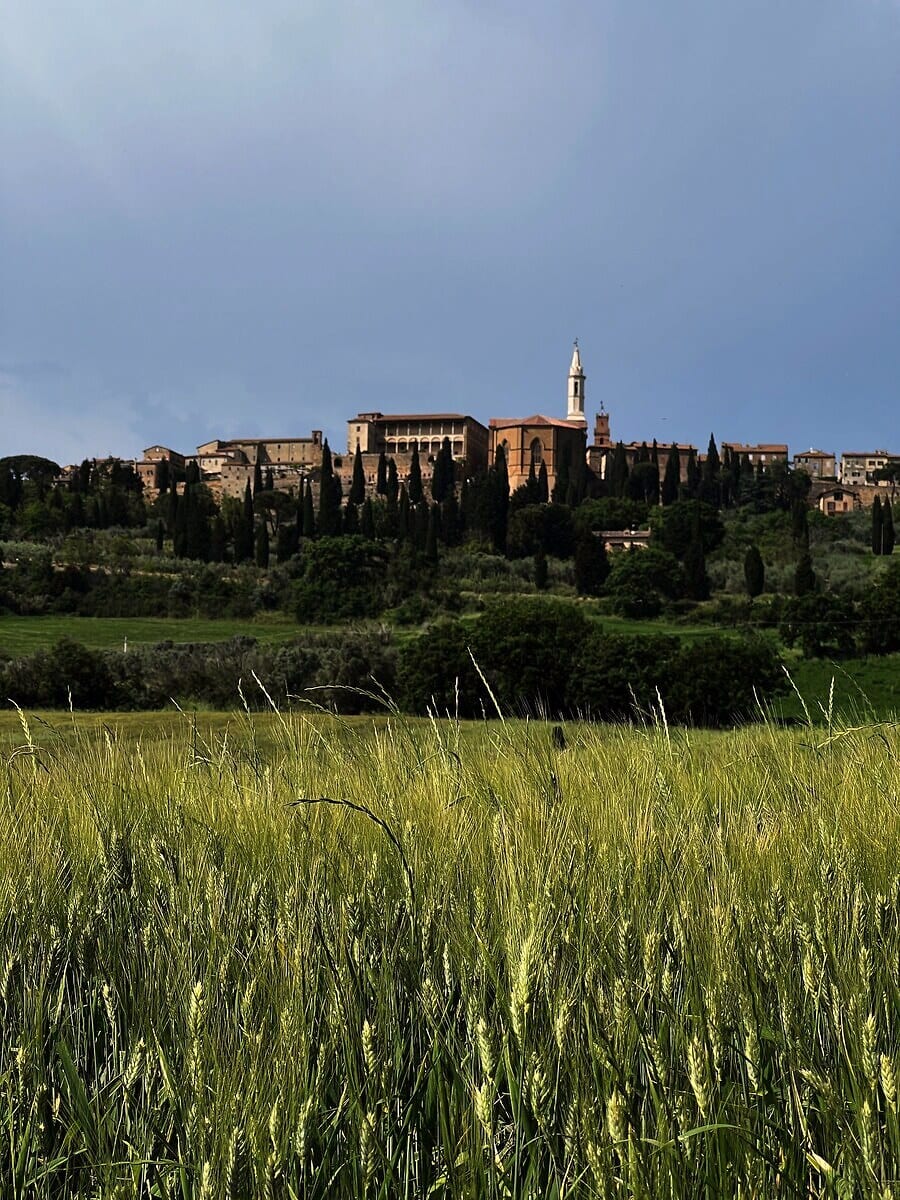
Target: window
x: 537, y: 452
x: 576, y: 387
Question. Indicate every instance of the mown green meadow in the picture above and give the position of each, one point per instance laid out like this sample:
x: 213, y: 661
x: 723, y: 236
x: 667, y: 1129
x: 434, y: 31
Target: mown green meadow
x: 305, y: 957
x: 24, y: 635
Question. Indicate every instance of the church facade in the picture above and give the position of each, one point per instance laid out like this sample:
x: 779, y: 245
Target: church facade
x: 532, y: 441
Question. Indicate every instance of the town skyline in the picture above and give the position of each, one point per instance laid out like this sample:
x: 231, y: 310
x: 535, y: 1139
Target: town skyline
x: 334, y: 434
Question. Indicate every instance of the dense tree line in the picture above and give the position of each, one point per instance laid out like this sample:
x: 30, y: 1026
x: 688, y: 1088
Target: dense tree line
x: 542, y: 656
x: 34, y: 502
x: 521, y: 655
x: 325, y: 557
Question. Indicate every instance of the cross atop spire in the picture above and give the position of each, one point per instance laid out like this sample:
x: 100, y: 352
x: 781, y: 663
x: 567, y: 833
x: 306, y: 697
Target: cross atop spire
x: 575, y: 368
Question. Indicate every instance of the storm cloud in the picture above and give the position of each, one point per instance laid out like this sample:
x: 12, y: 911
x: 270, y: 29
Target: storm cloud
x: 224, y: 219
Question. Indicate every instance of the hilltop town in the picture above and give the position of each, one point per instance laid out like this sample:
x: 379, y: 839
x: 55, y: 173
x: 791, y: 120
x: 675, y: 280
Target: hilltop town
x: 840, y: 483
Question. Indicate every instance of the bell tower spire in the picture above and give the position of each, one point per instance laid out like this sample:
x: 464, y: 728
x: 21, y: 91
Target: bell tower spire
x: 575, y: 411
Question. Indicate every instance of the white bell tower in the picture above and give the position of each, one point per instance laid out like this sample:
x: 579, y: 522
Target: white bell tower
x: 576, y: 389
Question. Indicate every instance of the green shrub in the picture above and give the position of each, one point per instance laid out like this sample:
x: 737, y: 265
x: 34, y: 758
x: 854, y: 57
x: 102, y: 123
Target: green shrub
x: 342, y: 577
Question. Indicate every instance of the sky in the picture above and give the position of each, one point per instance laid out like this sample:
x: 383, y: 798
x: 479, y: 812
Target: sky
x: 222, y: 219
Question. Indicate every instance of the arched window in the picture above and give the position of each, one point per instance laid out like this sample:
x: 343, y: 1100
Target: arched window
x: 537, y: 452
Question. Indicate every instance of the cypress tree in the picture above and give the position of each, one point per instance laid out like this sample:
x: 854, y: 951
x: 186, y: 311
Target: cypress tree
x: 543, y: 485
x: 591, y: 564
x: 540, y: 569
x: 431, y: 535
x: 351, y: 519
x: 710, y: 484
x: 381, y: 477
x: 577, y: 485
x: 734, y: 478
x: 877, y: 536
x: 197, y: 530
x: 672, y: 478
x: 437, y: 477
x: 561, y: 486
x: 532, y: 490
x: 249, y: 521
x: 262, y: 545
x: 887, y: 528
x: 393, y: 483
x: 287, y: 543
x: 217, y: 540
x: 403, y: 521
x: 443, y: 480
x: 329, y: 522
x: 800, y: 525
x: 414, y: 483
x: 308, y: 525
x: 162, y: 475
x: 171, y: 511
x: 804, y: 576
x: 270, y: 480
x: 244, y: 529
x: 497, y: 497
x: 367, y: 521
x: 391, y: 526
x: 695, y: 577
x: 358, y: 486
x: 257, y: 474
x: 160, y: 534
x: 754, y: 573
x: 746, y: 478
x: 466, y: 505
x: 450, y: 521
x: 618, y: 471
x: 419, y: 518
x: 180, y: 532
x: 692, y: 484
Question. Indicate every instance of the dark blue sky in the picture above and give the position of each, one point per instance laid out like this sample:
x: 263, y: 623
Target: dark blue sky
x: 226, y: 219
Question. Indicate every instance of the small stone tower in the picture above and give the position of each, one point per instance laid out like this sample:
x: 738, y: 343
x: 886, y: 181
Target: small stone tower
x: 575, y: 412
x: 601, y: 428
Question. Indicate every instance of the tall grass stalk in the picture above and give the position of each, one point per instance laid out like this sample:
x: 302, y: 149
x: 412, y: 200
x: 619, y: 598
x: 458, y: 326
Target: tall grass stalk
x: 432, y: 959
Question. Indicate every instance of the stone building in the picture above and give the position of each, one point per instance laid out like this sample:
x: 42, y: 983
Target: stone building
x: 818, y: 464
x: 275, y: 452
x: 148, y: 467
x: 398, y: 433
x: 834, y: 499
x: 539, y: 439
x: 761, y: 452
x: 858, y: 467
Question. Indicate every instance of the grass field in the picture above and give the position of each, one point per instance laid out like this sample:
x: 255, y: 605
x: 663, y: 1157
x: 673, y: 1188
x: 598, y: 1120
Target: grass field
x: 864, y: 688
x: 868, y: 688
x: 298, y: 957
x: 24, y: 635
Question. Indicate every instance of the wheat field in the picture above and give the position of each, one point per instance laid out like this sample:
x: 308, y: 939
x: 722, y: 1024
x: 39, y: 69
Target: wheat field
x: 423, y: 959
